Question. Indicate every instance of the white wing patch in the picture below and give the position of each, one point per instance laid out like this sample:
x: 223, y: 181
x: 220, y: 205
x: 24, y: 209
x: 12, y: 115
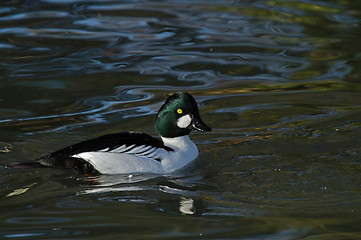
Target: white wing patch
x: 122, y: 149
x: 142, y: 158
x: 141, y: 151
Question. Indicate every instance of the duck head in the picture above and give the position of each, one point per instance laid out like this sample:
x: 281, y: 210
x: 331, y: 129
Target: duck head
x: 178, y: 116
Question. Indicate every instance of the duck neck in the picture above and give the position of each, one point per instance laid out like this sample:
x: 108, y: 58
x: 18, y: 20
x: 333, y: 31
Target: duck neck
x: 180, y: 143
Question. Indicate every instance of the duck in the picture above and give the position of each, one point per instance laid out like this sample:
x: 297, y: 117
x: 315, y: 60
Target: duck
x: 137, y: 152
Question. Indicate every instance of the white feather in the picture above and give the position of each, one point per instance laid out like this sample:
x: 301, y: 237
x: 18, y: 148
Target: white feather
x: 104, y: 150
x: 136, y: 150
x: 122, y: 148
x: 184, y: 121
x: 116, y: 163
x: 136, y: 160
x: 185, y: 151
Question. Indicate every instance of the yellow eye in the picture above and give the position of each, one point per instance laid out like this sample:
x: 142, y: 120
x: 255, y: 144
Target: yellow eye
x: 179, y: 111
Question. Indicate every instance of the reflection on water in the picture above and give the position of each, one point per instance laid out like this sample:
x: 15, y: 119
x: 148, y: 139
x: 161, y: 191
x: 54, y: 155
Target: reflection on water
x: 276, y: 80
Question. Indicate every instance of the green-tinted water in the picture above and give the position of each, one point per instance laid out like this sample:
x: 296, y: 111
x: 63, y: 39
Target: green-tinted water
x: 278, y: 81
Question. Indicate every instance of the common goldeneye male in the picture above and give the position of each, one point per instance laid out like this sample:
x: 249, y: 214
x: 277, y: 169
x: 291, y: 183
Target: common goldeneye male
x: 132, y: 152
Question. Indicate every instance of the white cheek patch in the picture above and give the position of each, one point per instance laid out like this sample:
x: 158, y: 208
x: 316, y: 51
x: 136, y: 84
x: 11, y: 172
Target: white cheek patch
x: 184, y: 121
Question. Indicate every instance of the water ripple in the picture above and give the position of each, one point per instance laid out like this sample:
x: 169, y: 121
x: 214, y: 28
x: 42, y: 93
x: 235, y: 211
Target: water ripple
x: 35, y: 15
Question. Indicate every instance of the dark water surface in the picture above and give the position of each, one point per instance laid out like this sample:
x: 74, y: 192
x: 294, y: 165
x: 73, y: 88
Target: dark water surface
x: 279, y: 82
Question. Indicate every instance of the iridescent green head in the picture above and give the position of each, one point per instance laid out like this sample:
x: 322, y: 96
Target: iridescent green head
x: 178, y: 116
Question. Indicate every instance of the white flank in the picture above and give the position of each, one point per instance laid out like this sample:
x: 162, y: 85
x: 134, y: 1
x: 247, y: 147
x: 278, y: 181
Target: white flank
x: 142, y: 158
x: 184, y: 121
x: 118, y: 163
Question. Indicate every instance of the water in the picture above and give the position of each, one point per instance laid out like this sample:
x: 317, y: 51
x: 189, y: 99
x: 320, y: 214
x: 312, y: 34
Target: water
x: 278, y: 81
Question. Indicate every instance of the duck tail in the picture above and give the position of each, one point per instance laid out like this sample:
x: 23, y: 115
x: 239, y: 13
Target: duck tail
x: 26, y: 164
